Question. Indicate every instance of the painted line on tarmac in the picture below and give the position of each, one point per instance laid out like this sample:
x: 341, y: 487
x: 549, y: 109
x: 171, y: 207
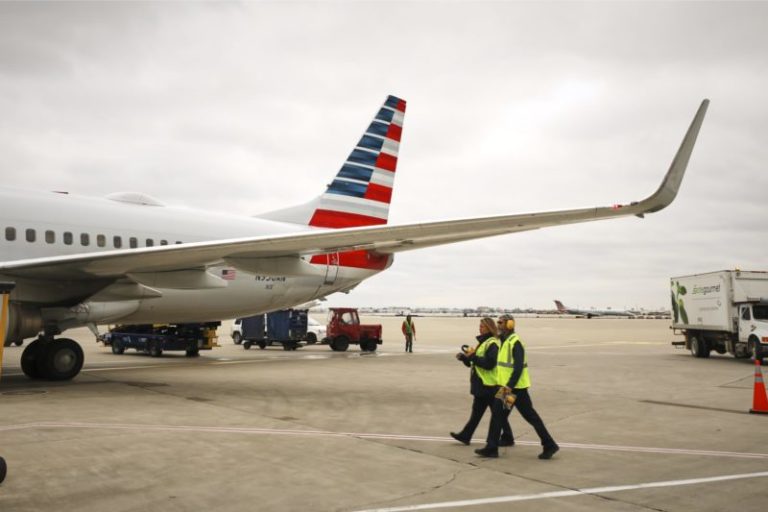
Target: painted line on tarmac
x: 364, y: 435
x: 565, y: 494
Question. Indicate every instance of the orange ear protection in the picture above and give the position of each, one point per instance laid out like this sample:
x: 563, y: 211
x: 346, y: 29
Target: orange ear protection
x: 510, y: 324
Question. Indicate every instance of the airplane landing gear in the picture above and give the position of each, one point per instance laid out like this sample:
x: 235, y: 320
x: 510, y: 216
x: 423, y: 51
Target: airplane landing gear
x: 52, y: 359
x: 3, y: 469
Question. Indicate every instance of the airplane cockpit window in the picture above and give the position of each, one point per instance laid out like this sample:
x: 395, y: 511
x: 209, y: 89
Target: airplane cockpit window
x: 150, y: 242
x: 133, y: 242
x: 31, y: 235
x: 67, y: 238
x: 10, y: 234
x: 117, y: 242
x: 50, y: 237
x: 163, y: 242
x: 101, y: 240
x: 85, y: 239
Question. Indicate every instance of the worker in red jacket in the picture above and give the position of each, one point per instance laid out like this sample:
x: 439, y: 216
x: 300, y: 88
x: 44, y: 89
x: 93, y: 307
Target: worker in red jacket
x: 409, y: 331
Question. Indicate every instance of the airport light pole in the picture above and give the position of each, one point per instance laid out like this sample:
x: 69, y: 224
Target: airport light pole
x: 5, y: 291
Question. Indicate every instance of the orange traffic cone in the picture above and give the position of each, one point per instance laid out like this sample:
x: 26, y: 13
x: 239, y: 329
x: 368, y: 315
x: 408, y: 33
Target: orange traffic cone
x: 759, y: 398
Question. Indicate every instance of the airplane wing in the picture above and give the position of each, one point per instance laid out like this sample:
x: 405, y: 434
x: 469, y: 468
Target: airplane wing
x: 252, y: 252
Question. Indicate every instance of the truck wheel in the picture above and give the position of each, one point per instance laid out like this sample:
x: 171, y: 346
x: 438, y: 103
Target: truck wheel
x: 340, y: 344
x: 237, y: 338
x: 117, y: 347
x: 311, y: 338
x: 699, y: 346
x: 155, y: 350
x: 263, y: 344
x: 193, y: 350
x: 3, y: 469
x: 247, y: 345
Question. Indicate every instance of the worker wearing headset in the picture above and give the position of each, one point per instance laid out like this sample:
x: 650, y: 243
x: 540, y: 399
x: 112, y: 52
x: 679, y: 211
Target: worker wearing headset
x: 514, y: 381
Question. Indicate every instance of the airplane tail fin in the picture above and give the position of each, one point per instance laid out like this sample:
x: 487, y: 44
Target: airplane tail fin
x: 360, y: 193
x: 560, y: 306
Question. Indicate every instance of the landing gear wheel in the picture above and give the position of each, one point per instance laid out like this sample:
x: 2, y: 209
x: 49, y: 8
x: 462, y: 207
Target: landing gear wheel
x: 237, y: 338
x: 3, y: 469
x: 60, y: 359
x: 29, y: 360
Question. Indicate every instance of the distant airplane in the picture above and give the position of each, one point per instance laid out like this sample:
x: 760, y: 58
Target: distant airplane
x: 130, y: 259
x: 589, y: 313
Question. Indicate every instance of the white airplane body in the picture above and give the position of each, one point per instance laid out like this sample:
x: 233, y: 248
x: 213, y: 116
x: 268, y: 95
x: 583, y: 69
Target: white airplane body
x: 187, y: 295
x: 589, y: 313
x: 128, y: 258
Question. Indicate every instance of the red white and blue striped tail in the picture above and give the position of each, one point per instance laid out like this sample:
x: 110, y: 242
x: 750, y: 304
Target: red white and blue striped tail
x: 360, y: 193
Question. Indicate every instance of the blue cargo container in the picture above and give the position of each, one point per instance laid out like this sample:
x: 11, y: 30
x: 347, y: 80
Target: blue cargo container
x: 287, y: 327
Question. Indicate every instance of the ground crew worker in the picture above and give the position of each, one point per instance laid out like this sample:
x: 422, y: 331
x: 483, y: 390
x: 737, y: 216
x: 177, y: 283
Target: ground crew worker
x: 512, y: 376
x: 409, y: 331
x: 482, y: 362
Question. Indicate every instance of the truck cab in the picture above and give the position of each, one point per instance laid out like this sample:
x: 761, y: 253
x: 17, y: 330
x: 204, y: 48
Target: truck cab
x: 753, y: 328
x: 344, y: 328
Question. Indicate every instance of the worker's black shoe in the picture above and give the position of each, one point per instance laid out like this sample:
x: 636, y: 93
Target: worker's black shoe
x: 460, y: 438
x: 548, y: 452
x: 487, y: 452
x: 506, y: 441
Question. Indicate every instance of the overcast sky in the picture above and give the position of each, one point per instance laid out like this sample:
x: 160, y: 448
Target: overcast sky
x: 512, y: 108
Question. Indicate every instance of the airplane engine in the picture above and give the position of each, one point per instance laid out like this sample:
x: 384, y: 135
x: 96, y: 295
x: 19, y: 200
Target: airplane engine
x: 23, y: 322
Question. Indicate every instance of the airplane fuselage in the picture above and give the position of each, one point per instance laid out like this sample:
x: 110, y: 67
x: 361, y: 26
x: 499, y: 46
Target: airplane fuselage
x: 43, y: 225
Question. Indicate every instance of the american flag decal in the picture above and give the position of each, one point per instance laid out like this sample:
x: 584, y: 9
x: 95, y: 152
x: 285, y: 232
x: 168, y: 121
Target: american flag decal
x: 228, y: 274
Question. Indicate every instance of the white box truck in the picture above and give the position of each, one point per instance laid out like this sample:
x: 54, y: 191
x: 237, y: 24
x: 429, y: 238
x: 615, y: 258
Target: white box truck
x: 725, y: 311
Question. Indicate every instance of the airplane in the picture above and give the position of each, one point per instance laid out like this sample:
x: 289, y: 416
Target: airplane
x: 128, y: 258
x: 590, y: 312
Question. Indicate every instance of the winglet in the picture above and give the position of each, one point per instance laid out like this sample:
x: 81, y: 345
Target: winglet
x: 668, y: 189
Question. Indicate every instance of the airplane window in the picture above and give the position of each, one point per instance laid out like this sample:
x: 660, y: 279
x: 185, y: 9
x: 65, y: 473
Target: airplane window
x: 101, y: 240
x: 134, y: 243
x: 31, y: 235
x: 50, y: 237
x: 10, y: 234
x: 67, y: 238
x: 117, y: 242
x: 177, y: 242
x: 150, y: 242
x: 85, y: 239
x: 163, y: 242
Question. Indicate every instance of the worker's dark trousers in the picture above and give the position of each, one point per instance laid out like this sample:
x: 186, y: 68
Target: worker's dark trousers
x: 523, y: 403
x: 409, y: 343
x: 479, y: 405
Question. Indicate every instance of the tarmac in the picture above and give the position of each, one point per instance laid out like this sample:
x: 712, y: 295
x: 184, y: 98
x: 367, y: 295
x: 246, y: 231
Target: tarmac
x: 641, y: 425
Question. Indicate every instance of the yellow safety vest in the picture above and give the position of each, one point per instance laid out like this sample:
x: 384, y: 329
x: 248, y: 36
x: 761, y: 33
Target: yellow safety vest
x: 506, y: 363
x: 487, y: 376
